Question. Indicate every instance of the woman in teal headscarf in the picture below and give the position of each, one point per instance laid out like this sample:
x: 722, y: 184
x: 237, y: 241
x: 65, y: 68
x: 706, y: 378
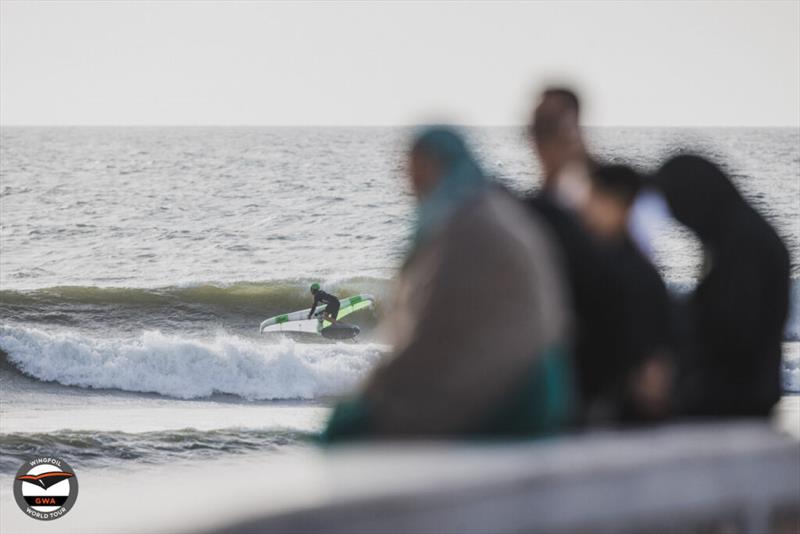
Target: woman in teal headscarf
x: 479, y: 327
x: 444, y: 176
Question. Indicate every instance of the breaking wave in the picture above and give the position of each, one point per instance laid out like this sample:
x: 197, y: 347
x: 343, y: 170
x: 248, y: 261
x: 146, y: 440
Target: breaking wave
x: 187, y: 368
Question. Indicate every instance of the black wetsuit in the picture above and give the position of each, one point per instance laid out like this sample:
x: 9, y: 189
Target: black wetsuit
x: 331, y: 302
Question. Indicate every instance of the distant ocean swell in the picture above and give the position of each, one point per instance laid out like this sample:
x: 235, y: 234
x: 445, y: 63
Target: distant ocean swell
x: 188, y: 368
x: 192, y: 310
x: 237, y: 307
x: 98, y: 448
x: 257, y: 298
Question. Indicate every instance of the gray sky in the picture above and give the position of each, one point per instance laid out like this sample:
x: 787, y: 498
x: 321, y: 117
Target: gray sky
x: 637, y: 63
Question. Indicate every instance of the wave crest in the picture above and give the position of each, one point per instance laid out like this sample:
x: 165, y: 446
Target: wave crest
x: 189, y: 368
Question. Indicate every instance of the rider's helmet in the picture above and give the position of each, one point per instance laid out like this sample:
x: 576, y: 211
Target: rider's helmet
x: 314, y: 287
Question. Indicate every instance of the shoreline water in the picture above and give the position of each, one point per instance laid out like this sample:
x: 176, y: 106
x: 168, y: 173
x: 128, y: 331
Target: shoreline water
x: 96, y: 428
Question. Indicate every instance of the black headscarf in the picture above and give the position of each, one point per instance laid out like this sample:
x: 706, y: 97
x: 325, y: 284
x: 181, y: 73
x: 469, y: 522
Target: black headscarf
x: 737, y: 313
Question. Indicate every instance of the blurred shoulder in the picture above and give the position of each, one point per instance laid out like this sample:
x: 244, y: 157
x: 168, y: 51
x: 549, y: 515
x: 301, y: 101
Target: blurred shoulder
x: 497, y: 228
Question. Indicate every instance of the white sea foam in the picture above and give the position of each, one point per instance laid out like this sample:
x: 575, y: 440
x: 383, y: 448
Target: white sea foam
x: 188, y: 368
x: 791, y: 367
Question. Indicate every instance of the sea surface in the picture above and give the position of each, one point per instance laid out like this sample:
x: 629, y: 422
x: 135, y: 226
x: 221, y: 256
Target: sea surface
x: 137, y: 263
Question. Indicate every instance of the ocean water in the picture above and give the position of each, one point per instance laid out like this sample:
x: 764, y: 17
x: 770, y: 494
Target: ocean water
x: 137, y: 263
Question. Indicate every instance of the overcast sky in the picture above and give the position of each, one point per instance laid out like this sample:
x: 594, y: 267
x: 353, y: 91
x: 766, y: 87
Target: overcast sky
x: 636, y: 63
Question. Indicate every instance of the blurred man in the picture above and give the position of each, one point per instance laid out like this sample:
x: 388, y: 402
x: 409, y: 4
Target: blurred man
x: 555, y: 136
x: 555, y: 127
x: 738, y: 311
x: 479, y: 326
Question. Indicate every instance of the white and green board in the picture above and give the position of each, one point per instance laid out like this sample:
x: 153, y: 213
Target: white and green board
x: 299, y: 322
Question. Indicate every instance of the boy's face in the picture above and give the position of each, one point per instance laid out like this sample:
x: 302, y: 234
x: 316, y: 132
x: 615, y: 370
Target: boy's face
x: 606, y: 214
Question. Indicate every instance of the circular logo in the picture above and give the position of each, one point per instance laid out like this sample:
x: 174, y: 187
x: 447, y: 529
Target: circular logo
x: 46, y: 488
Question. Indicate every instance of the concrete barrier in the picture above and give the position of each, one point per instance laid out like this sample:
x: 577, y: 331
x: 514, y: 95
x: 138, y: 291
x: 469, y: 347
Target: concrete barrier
x: 715, y: 477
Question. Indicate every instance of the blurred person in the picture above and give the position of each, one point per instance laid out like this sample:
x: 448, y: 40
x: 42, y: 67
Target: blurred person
x: 479, y: 327
x: 554, y: 132
x: 737, y: 311
x: 613, y: 191
x: 640, y: 375
x: 555, y: 127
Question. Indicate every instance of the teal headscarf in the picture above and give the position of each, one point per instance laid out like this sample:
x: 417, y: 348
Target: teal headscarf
x: 462, y: 179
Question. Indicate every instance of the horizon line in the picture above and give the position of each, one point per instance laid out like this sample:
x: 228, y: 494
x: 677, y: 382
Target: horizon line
x: 411, y: 125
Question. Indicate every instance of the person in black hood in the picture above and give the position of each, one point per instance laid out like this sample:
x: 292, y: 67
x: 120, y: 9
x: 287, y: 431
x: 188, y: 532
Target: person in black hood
x: 737, y: 312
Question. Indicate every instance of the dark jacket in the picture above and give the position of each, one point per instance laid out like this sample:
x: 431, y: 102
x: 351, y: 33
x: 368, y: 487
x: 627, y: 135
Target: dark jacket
x: 622, y: 309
